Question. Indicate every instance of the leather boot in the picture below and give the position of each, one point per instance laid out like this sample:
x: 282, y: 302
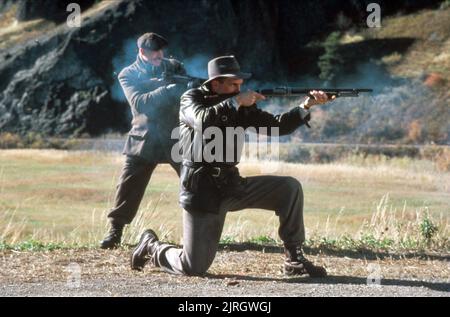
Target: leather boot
x: 297, y: 264
x: 145, y: 250
x: 112, y: 240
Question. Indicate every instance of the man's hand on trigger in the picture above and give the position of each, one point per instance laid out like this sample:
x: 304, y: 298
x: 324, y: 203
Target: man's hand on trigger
x: 248, y: 98
x: 319, y: 98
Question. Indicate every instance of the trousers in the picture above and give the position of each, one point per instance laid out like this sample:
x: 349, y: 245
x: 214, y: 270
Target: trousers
x: 136, y: 174
x: 202, y: 231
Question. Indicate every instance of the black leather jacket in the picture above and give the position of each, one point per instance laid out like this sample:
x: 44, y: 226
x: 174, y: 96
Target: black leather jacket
x: 201, y: 109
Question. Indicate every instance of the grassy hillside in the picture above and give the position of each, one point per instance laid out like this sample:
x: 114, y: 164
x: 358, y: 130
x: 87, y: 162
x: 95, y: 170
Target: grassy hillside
x: 430, y: 52
x: 13, y: 32
x: 406, y: 61
x: 430, y: 30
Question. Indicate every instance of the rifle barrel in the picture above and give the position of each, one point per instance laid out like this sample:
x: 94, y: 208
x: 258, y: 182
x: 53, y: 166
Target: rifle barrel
x: 292, y: 91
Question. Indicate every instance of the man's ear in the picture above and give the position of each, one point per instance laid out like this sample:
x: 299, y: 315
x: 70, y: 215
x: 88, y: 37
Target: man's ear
x: 142, y: 54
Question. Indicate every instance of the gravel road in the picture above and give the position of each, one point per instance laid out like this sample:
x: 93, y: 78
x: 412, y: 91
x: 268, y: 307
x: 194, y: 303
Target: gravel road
x: 234, y: 273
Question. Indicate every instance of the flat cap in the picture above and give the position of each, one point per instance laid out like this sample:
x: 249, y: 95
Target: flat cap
x: 151, y: 41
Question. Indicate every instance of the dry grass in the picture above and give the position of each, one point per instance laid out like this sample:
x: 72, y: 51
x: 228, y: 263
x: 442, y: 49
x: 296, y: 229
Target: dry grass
x: 17, y: 32
x: 13, y: 32
x: 327, y: 214
x: 63, y: 197
x: 352, y: 192
x: 20, y: 267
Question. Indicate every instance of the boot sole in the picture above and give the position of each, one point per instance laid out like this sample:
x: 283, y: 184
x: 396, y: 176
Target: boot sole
x: 291, y: 272
x: 140, y: 267
x: 110, y: 247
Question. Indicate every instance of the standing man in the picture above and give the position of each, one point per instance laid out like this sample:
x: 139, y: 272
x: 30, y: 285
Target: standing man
x: 209, y: 189
x: 154, y: 102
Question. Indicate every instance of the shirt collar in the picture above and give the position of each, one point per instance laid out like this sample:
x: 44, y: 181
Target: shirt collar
x: 149, y: 68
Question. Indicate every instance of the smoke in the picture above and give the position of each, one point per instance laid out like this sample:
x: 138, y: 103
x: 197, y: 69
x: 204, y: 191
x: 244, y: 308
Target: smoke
x: 370, y: 75
x: 125, y: 57
x: 197, y: 66
x: 383, y: 116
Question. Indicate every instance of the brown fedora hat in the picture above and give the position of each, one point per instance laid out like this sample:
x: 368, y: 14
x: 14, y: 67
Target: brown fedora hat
x: 225, y: 66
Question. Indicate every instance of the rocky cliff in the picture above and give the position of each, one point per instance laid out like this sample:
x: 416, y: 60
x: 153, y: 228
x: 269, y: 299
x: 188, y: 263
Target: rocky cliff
x: 62, y: 82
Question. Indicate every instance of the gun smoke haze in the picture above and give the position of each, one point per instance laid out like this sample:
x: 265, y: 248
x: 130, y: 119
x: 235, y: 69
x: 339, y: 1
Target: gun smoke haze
x: 383, y: 115
x: 62, y: 81
x: 125, y: 57
x: 195, y: 66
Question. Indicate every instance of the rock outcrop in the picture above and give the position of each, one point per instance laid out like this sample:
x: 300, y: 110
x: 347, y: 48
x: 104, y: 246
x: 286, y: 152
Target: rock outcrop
x: 62, y: 82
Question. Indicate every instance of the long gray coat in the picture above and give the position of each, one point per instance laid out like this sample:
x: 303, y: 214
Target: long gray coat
x: 154, y: 107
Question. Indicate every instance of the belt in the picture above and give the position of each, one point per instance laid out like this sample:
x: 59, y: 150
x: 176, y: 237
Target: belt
x: 215, y: 171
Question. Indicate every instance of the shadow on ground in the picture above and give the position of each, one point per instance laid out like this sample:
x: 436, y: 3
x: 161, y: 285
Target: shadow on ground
x: 337, y: 280
x: 355, y: 254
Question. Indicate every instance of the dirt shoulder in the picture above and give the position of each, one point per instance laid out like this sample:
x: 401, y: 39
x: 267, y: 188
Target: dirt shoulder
x: 234, y: 273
